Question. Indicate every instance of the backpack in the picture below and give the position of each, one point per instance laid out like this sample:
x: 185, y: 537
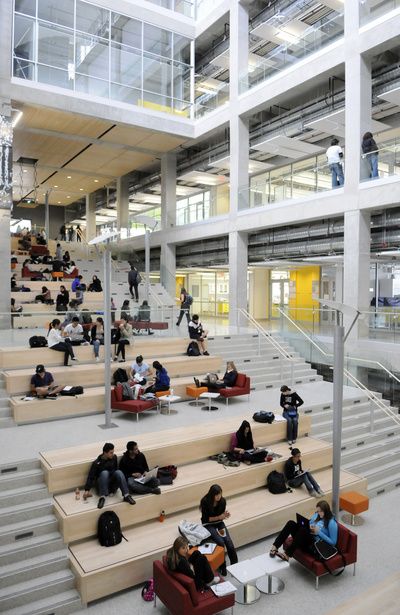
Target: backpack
x: 167, y: 474
x: 72, y: 391
x: 276, y: 482
x: 193, y: 350
x: 263, y: 417
x: 37, y: 341
x: 109, y: 529
x: 120, y: 375
x: 148, y: 591
x: 188, y: 300
x: 138, y: 280
x: 195, y: 533
x: 86, y: 317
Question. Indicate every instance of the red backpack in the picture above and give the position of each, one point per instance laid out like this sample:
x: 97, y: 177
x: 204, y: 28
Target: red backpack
x: 148, y: 591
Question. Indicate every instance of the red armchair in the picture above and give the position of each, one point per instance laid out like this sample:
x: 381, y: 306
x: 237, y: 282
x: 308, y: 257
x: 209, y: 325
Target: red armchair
x: 242, y: 387
x: 347, y: 545
x: 129, y: 405
x: 179, y: 594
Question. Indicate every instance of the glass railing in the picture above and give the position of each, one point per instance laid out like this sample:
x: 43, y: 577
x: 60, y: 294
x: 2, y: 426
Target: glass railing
x: 295, y: 48
x: 372, y: 9
x: 383, y: 162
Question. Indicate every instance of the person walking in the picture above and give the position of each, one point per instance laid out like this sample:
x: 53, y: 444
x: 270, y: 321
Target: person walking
x: 133, y: 281
x: 62, y: 232
x: 78, y: 233
x: 370, y: 153
x: 186, y: 301
x: 334, y: 155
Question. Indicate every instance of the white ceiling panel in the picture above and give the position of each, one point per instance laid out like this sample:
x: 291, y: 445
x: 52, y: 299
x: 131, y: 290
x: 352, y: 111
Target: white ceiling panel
x: 255, y: 166
x: 202, y: 178
x: 334, y: 124
x: 392, y: 96
x: 336, y: 5
x: 285, y: 146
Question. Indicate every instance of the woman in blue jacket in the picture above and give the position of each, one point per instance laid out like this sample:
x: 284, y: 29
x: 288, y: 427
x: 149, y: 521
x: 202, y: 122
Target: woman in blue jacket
x: 161, y: 381
x: 323, y: 526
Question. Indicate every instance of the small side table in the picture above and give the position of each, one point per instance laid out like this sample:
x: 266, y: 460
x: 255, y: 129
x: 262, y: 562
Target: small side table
x: 270, y: 584
x: 170, y: 399
x: 209, y: 396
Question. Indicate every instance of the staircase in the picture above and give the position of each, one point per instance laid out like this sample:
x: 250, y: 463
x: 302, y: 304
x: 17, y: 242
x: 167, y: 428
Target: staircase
x: 6, y: 419
x: 266, y: 369
x: 35, y: 577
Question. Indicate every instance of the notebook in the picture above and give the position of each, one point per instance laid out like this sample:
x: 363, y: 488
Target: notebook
x: 207, y: 548
x: 147, y: 476
x: 223, y: 589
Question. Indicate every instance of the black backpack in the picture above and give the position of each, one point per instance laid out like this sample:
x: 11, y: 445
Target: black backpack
x: 37, y: 341
x: 276, y: 482
x: 120, y: 375
x: 188, y: 300
x: 193, y: 350
x: 86, y: 317
x: 72, y: 392
x: 109, y: 529
x: 263, y: 417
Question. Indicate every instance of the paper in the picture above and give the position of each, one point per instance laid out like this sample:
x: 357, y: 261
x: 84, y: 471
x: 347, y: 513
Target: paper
x: 223, y: 589
x: 208, y: 548
x: 67, y: 388
x: 28, y: 398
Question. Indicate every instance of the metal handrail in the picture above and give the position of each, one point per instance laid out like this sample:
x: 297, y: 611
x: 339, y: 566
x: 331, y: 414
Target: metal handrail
x: 267, y: 335
x: 370, y: 394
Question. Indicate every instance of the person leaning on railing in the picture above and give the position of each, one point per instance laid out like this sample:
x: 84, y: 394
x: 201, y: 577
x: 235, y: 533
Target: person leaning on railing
x: 370, y: 151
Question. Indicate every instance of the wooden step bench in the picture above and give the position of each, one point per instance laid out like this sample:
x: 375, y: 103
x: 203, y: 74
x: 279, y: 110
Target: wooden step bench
x: 88, y: 375
x: 29, y: 296
x: 50, y: 310
x: 254, y: 515
x: 19, y: 357
x: 65, y: 469
x: 78, y: 519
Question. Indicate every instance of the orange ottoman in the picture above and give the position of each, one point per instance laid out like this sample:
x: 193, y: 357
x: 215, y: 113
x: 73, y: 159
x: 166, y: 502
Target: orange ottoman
x: 194, y: 391
x: 57, y: 275
x: 354, y: 503
x: 216, y: 558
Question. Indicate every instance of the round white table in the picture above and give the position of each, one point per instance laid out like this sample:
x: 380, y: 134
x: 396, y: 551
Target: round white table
x: 209, y: 396
x: 170, y: 399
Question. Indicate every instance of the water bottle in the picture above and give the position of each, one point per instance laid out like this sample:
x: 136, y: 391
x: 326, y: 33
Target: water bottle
x: 77, y: 494
x: 162, y: 516
x: 171, y: 392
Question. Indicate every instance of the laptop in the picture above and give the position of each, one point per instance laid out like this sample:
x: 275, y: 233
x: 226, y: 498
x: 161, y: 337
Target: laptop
x: 302, y: 521
x: 147, y: 476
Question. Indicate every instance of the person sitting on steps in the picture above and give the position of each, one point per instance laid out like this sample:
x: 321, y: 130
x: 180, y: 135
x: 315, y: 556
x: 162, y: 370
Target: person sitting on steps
x: 134, y: 464
x: 125, y: 335
x: 42, y: 384
x: 323, y: 526
x: 161, y: 381
x: 198, y: 334
x: 143, y: 314
x: 74, y: 331
x: 56, y: 341
x: 242, y: 442
x: 290, y: 402
x: 105, y: 475
x: 97, y: 336
x: 296, y: 477
x: 140, y: 370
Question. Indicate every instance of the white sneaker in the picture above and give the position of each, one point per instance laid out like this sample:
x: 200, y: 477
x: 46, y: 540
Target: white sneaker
x: 97, y: 359
x: 85, y: 344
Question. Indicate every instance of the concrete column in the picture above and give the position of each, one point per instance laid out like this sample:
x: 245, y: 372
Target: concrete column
x: 123, y: 202
x: 239, y: 131
x: 356, y: 279
x: 339, y: 283
x: 90, y: 216
x: 237, y: 276
x: 358, y: 89
x: 5, y: 214
x: 168, y: 191
x: 168, y: 268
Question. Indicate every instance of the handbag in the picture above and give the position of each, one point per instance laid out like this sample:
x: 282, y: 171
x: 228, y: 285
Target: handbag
x: 325, y: 550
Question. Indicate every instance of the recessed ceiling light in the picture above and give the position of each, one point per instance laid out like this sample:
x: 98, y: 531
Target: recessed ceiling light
x: 81, y: 189
x: 55, y: 186
x: 68, y: 176
x: 96, y: 181
x: 25, y: 171
x: 68, y: 197
x: 59, y: 202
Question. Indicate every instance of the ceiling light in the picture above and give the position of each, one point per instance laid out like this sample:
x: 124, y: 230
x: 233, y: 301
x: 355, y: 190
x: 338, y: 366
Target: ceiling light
x: 17, y: 118
x: 68, y: 197
x: 96, y: 181
x: 25, y: 171
x: 68, y: 176
x: 81, y: 189
x: 59, y: 202
x: 55, y: 186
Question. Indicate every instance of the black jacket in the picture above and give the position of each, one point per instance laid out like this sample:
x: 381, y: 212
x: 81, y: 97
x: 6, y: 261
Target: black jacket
x: 369, y: 145
x: 130, y: 466
x: 208, y: 511
x: 292, y: 399
x: 230, y: 378
x: 290, y: 471
x: 97, y: 467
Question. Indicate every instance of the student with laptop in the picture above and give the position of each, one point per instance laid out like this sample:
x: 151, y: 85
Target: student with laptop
x: 242, y: 446
x: 296, y: 477
x: 133, y: 465
x: 305, y: 533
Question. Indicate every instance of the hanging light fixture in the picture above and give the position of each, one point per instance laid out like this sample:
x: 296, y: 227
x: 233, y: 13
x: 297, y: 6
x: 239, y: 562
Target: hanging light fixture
x: 6, y: 136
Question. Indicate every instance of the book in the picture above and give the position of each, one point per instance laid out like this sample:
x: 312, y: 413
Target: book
x: 207, y: 548
x: 223, y: 589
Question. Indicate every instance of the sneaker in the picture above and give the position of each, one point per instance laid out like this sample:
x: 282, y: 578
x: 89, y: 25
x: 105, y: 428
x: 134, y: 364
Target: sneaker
x: 85, y: 344
x: 51, y: 397
x: 101, y: 502
x: 197, y: 382
x: 177, y: 324
x: 97, y: 359
x: 156, y: 491
x: 215, y: 581
x: 116, y: 358
x: 206, y: 354
x: 74, y: 359
x: 320, y: 492
x: 294, y: 442
x: 121, y: 361
x: 129, y: 499
x: 290, y: 442
x: 313, y: 494
x: 222, y: 570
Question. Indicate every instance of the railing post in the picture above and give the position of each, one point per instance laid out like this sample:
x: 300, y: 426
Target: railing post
x: 371, y: 417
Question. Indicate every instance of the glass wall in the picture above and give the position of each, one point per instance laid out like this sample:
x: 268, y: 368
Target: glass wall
x: 193, y: 208
x: 82, y: 47
x: 372, y: 9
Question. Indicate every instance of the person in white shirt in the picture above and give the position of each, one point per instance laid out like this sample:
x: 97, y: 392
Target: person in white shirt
x: 75, y: 332
x: 56, y: 341
x: 334, y: 155
x: 140, y: 371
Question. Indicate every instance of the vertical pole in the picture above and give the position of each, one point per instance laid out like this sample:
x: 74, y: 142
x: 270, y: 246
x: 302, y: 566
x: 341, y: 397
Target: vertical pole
x: 338, y: 364
x: 107, y: 336
x: 46, y: 215
x: 147, y: 262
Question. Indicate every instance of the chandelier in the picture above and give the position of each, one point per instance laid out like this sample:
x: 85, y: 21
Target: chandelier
x: 6, y: 136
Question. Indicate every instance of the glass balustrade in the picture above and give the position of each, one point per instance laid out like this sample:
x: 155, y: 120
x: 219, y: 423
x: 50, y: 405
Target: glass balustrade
x: 384, y: 162
x: 294, y: 47
x: 372, y: 9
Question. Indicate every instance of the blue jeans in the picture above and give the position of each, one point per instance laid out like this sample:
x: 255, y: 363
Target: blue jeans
x: 107, y: 482
x: 292, y: 425
x: 223, y: 541
x: 306, y: 479
x: 372, y: 160
x: 96, y: 346
x: 337, y: 174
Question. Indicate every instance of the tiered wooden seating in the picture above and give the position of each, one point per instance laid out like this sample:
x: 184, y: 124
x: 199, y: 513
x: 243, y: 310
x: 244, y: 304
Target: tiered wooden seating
x: 255, y: 512
x: 29, y: 296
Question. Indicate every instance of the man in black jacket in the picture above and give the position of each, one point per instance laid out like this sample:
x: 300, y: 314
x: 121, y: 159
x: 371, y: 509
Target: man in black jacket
x: 133, y: 464
x: 290, y: 402
x: 108, y: 478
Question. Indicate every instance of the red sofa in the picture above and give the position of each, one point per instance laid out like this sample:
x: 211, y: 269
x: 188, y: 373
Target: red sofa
x: 347, y: 545
x: 179, y: 594
x: 242, y: 387
x: 129, y: 405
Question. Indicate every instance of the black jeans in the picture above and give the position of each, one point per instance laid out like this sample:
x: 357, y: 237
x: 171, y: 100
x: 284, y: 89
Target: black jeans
x: 302, y: 538
x: 203, y: 572
x: 134, y: 286
x: 66, y: 348
x: 121, y: 348
x: 183, y: 311
x: 154, y: 388
x: 223, y: 541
